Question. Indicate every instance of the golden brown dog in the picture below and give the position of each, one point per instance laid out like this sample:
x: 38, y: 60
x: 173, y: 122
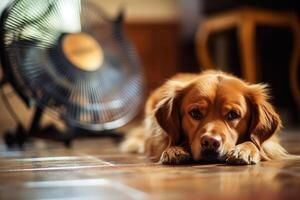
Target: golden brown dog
x: 211, y: 116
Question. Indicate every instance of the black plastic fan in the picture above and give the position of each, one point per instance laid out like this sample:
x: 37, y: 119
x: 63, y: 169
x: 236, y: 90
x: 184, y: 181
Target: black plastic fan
x: 69, y: 59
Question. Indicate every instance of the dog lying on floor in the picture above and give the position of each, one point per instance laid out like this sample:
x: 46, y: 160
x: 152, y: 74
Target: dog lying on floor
x: 212, y: 116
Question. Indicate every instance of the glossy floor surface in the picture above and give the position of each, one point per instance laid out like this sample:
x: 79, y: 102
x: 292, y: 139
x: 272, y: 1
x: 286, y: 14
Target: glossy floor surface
x: 95, y: 169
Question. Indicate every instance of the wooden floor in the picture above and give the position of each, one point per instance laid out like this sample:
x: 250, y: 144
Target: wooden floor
x: 94, y: 169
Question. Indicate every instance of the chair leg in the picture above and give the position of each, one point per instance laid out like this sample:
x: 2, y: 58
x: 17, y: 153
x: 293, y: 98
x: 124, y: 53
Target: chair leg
x: 246, y: 37
x: 294, y: 65
x: 204, y: 58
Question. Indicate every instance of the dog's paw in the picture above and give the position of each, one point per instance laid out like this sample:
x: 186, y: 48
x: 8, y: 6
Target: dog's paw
x: 175, y: 156
x: 243, y: 154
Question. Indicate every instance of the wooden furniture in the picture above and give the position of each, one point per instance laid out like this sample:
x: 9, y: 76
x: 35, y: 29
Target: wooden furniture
x: 246, y: 21
x: 157, y: 44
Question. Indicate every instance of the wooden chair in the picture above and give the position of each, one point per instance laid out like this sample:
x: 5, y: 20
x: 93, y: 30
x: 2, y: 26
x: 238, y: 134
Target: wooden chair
x: 246, y: 21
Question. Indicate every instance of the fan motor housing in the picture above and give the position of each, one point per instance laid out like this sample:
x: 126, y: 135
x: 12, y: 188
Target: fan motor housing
x: 83, y: 51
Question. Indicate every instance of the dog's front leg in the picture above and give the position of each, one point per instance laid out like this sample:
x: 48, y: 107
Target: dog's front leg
x: 175, y: 155
x: 243, y: 154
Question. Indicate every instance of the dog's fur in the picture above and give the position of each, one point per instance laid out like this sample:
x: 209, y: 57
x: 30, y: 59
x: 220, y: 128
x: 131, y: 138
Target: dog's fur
x: 171, y: 135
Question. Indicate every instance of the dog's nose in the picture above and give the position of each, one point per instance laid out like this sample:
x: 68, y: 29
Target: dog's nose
x: 210, y: 142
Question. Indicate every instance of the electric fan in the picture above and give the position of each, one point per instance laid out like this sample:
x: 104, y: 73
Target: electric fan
x: 68, y: 59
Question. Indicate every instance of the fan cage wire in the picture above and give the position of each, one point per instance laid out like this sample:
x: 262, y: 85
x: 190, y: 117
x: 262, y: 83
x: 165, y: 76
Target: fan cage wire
x: 128, y: 98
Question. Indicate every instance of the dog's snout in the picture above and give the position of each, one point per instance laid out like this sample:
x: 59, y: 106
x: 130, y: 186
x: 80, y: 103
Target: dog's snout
x: 210, y: 142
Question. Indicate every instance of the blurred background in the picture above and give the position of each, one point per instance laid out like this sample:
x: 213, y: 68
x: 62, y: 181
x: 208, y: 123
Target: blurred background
x: 255, y: 40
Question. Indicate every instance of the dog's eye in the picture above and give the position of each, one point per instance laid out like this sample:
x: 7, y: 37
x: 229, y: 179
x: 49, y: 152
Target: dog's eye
x: 232, y: 115
x: 196, y: 114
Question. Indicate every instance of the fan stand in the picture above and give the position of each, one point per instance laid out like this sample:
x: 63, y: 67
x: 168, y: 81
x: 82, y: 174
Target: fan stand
x: 20, y: 135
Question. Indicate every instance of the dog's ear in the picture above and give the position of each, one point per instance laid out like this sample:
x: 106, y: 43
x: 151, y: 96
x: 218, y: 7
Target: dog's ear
x: 167, y: 112
x: 264, y: 119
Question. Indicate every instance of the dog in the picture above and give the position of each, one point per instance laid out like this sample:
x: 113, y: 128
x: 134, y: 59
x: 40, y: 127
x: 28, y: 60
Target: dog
x: 211, y: 116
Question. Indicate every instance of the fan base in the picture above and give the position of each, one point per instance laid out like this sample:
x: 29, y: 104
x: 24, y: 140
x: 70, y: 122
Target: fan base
x: 19, y: 137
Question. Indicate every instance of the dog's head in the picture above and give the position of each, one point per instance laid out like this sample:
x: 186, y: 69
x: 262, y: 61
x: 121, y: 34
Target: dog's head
x: 214, y: 112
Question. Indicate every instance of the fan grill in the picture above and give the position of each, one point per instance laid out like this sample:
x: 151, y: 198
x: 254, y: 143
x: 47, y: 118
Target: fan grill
x: 105, y: 98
